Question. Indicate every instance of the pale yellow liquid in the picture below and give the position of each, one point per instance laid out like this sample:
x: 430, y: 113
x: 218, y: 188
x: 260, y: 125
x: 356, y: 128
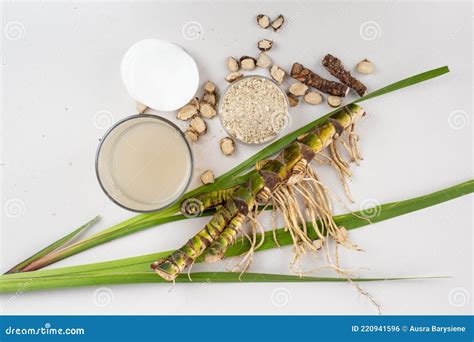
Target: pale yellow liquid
x: 149, y: 164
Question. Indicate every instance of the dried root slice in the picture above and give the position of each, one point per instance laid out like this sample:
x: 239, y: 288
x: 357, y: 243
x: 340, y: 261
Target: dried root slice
x: 278, y: 74
x: 233, y: 64
x: 334, y: 101
x: 278, y: 23
x: 247, y: 63
x: 141, y: 108
x: 192, y: 135
x: 263, y: 61
x: 233, y: 76
x: 209, y: 87
x: 195, y: 102
x: 187, y: 112
x: 265, y: 44
x: 207, y: 110
x: 365, y: 67
x: 227, y: 146
x: 198, y: 125
x: 207, y: 177
x: 263, y: 21
x: 302, y: 74
x: 298, y: 89
x: 210, y: 98
x: 335, y: 67
x: 293, y: 100
x: 313, y: 98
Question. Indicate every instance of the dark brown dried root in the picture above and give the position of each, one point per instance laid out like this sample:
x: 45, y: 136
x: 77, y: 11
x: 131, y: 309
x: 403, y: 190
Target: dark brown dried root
x: 335, y: 67
x: 302, y: 74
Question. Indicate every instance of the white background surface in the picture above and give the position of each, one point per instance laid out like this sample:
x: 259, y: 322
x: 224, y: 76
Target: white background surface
x: 61, y: 88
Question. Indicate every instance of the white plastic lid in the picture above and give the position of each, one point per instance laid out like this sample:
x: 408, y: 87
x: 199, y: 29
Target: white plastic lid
x: 159, y: 74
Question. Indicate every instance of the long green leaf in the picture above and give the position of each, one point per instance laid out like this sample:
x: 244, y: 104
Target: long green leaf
x: 147, y: 277
x: 75, y: 248
x: 54, y: 246
x: 230, y: 178
x: 140, y: 264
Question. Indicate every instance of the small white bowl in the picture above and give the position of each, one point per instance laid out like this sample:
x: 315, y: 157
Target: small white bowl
x: 159, y: 74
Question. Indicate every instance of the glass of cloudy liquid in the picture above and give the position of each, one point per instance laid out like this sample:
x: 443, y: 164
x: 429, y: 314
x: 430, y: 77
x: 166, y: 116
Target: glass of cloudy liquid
x: 144, y: 163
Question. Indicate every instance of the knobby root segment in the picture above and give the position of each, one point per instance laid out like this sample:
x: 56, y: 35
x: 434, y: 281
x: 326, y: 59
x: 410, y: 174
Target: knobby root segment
x: 335, y: 67
x: 216, y: 250
x: 238, y: 205
x: 280, y: 181
x: 306, y: 76
x: 196, y: 206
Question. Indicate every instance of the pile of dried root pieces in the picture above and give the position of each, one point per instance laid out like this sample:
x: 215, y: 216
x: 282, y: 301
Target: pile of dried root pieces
x: 307, y: 79
x: 288, y: 183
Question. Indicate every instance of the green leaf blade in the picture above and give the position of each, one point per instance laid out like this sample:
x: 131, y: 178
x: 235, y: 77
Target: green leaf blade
x: 54, y: 246
x: 121, y: 278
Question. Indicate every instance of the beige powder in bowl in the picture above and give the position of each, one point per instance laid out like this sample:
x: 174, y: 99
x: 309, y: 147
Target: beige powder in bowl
x: 254, y: 110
